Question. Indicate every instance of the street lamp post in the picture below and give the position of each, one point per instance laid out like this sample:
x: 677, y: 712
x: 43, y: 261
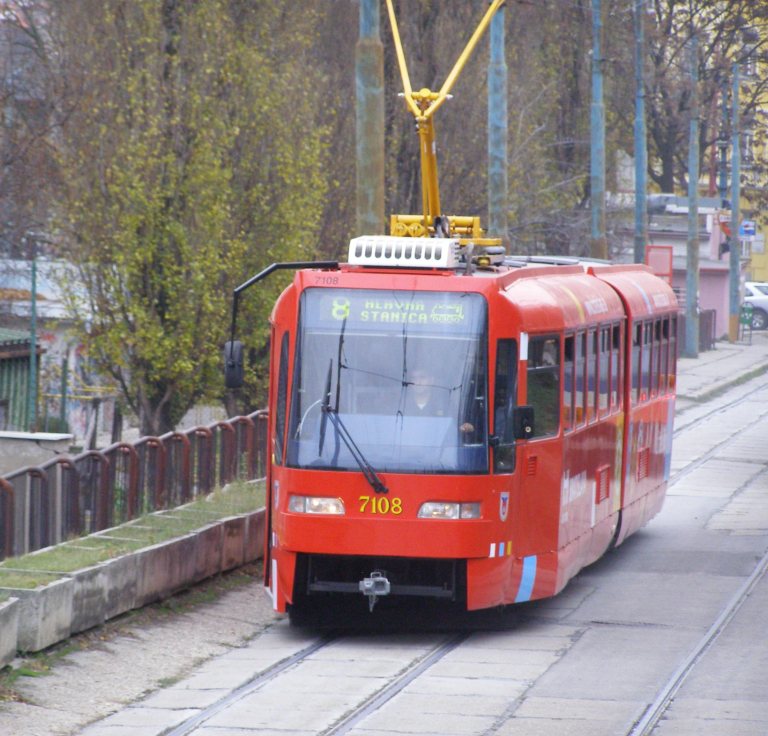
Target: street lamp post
x: 735, y: 254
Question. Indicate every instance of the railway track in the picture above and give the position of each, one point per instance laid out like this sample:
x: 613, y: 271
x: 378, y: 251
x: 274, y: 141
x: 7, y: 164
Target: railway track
x: 666, y: 694
x: 371, y: 702
x: 428, y: 657
x: 657, y: 709
x: 253, y: 686
x: 712, y: 408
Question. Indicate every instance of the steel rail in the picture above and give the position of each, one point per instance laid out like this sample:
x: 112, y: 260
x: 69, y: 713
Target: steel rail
x: 349, y: 720
x: 690, y: 467
x: 381, y: 697
x: 656, y: 710
x: 647, y: 722
x: 719, y: 409
x: 249, y: 687
x: 695, y: 464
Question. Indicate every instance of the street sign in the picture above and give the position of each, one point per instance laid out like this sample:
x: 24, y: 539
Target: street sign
x: 747, y: 229
x: 724, y: 221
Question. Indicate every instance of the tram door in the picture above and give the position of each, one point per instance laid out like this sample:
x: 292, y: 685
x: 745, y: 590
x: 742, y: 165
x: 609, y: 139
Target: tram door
x: 541, y: 455
x: 275, y: 442
x: 504, y: 444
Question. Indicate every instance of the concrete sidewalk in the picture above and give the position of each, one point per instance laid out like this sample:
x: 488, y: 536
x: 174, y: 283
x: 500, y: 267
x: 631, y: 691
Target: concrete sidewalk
x: 714, y: 371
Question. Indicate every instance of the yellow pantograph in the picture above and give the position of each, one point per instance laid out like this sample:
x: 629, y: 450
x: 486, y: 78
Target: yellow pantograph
x: 423, y: 104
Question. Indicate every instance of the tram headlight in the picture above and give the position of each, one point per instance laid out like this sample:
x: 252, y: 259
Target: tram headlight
x: 315, y: 505
x: 446, y: 510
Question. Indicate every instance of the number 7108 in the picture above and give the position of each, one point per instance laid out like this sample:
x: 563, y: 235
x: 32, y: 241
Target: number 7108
x: 380, y: 505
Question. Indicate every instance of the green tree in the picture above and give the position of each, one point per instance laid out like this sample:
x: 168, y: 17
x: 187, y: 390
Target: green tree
x: 728, y: 32
x: 191, y: 161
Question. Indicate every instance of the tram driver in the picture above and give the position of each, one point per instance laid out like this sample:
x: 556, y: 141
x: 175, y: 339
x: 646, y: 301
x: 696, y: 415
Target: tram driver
x: 425, y: 398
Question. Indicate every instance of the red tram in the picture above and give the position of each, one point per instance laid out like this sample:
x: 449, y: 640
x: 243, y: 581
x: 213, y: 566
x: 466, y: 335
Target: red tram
x: 448, y: 422
x: 476, y: 434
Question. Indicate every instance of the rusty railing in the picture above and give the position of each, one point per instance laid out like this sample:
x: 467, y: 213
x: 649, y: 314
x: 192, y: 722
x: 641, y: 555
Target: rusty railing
x: 70, y: 496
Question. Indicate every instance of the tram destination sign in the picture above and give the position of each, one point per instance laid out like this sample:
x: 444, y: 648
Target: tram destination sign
x: 447, y: 312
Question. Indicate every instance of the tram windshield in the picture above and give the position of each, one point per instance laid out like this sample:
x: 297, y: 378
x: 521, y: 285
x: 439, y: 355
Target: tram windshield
x: 406, y: 372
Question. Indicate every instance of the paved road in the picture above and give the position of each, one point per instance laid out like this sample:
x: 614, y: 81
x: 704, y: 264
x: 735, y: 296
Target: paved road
x: 589, y: 661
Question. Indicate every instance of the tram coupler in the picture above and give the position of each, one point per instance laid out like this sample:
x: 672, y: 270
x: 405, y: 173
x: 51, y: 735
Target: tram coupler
x: 374, y: 586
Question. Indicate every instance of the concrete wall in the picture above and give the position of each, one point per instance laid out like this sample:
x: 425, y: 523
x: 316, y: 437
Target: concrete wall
x: 80, y: 600
x: 19, y: 449
x: 9, y: 629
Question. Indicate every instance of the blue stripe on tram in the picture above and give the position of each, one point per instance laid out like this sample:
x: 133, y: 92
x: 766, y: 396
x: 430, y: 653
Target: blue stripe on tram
x: 528, y: 579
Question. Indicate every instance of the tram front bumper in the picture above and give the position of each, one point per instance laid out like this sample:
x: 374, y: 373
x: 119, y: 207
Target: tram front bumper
x: 432, y: 538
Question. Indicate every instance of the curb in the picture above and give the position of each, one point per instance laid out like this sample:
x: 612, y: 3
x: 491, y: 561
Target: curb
x: 714, y: 391
x: 79, y: 600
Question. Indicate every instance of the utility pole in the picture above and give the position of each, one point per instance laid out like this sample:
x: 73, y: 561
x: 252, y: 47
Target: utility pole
x: 63, y: 406
x: 32, y: 388
x: 497, y: 132
x: 641, y: 151
x: 692, y: 251
x: 735, y: 243
x: 369, y: 89
x: 598, y: 245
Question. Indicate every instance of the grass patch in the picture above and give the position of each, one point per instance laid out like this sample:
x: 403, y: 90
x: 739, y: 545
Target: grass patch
x: 240, y: 497
x: 4, y: 596
x: 114, y: 546
x: 25, y: 580
x: 168, y: 681
x: 61, y: 559
x: 71, y: 556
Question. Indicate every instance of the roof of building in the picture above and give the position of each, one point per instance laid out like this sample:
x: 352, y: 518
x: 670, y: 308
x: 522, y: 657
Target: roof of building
x: 15, y: 295
x: 13, y: 337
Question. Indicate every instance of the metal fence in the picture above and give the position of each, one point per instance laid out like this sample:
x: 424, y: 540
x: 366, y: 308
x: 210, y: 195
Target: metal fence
x: 67, y: 497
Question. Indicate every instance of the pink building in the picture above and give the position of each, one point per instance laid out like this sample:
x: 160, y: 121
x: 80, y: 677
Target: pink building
x: 668, y: 226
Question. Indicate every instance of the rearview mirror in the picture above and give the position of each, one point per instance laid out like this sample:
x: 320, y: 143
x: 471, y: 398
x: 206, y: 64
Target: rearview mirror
x: 233, y: 364
x: 522, y: 422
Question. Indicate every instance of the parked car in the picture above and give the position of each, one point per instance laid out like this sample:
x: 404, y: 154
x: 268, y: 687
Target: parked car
x: 756, y: 293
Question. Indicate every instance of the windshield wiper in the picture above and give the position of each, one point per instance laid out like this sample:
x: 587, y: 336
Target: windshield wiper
x: 325, y: 407
x: 333, y: 414
x: 369, y: 473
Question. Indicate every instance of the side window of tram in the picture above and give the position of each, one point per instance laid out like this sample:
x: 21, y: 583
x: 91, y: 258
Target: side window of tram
x: 581, y: 357
x: 656, y: 387
x: 282, y: 399
x: 664, y: 370
x: 637, y: 342
x: 672, y: 363
x: 544, y: 385
x: 645, y: 387
x: 504, y: 401
x: 591, y: 373
x: 569, y: 347
x: 616, y: 368
x: 604, y: 374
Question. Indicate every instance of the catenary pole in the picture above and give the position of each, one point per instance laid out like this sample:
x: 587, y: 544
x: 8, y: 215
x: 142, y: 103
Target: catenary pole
x: 641, y: 150
x: 734, y: 301
x: 497, y: 132
x: 692, y: 250
x: 598, y: 246
x: 369, y: 89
